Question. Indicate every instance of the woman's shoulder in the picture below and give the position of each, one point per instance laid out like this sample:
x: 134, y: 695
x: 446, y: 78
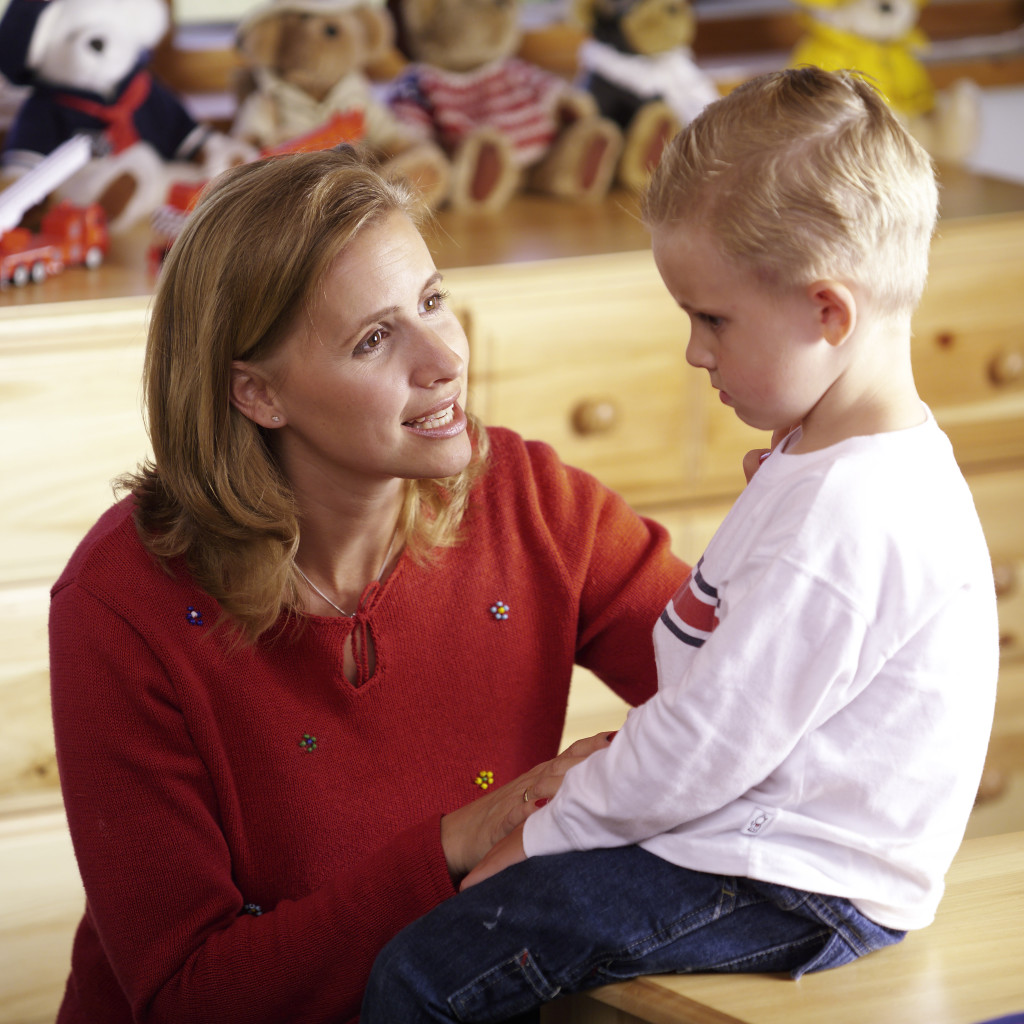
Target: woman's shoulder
x: 526, y: 479
x: 111, y: 559
x: 105, y: 535
x: 517, y: 461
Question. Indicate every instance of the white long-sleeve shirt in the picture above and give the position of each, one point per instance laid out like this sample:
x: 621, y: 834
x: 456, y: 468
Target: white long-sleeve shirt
x: 827, y: 681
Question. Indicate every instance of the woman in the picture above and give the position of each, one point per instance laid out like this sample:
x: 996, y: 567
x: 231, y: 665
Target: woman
x: 317, y: 661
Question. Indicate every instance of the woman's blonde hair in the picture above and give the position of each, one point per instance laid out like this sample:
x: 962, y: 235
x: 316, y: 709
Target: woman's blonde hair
x: 250, y: 257
x: 805, y: 175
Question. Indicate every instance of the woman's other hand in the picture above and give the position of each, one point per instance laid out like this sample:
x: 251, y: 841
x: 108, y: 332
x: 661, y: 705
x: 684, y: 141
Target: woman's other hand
x: 469, y: 833
x: 503, y: 854
x: 753, y: 459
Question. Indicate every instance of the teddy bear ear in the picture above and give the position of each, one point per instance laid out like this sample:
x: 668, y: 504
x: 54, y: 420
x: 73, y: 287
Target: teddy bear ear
x: 582, y: 13
x: 379, y: 30
x: 414, y: 14
x: 25, y: 28
x: 257, y: 42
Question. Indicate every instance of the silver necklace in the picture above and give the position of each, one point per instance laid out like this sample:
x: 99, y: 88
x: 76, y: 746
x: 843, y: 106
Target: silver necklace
x: 348, y: 615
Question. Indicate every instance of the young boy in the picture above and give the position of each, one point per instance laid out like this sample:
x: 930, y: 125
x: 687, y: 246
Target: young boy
x: 793, y: 795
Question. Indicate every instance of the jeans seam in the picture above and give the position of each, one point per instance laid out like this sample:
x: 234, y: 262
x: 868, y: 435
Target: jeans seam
x: 730, y: 898
x: 762, y: 954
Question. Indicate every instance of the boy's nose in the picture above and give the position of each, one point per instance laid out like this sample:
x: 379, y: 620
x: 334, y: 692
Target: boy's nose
x: 699, y: 355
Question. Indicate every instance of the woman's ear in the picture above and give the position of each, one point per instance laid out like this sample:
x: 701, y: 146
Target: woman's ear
x: 835, y: 309
x: 253, y: 396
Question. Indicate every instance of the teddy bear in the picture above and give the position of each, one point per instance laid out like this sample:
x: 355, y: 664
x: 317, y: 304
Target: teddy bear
x: 880, y: 39
x: 505, y: 123
x: 638, y: 65
x: 305, y: 65
x: 84, y: 63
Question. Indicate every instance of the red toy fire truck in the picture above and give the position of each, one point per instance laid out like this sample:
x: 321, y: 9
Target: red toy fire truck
x: 69, y: 235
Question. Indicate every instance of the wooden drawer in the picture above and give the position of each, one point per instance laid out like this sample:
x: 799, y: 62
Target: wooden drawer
x: 42, y: 897
x: 969, y: 338
x: 999, y: 497
x: 70, y: 395
x: 589, y: 355
x: 28, y: 764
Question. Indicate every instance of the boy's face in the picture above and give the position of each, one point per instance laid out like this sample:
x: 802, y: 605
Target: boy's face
x: 762, y: 346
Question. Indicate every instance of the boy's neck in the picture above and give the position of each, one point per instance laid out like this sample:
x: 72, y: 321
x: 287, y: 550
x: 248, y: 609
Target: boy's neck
x: 874, y: 394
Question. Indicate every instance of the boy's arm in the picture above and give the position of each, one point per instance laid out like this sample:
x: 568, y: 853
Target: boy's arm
x: 719, y: 728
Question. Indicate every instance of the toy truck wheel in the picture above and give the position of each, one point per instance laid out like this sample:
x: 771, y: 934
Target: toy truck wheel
x: 93, y: 257
x: 20, y: 276
x: 38, y: 272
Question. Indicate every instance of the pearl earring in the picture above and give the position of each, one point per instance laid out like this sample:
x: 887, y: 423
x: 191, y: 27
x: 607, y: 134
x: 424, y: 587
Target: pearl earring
x: 276, y: 419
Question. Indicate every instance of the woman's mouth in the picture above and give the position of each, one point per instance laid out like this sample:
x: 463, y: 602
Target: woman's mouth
x: 443, y: 423
x: 434, y: 420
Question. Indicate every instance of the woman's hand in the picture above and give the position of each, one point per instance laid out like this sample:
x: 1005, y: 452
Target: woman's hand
x: 753, y: 459
x: 503, y: 854
x: 469, y: 833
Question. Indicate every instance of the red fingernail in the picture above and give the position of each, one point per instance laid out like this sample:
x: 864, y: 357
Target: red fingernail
x: 763, y: 456
x: 611, y: 736
x: 542, y: 801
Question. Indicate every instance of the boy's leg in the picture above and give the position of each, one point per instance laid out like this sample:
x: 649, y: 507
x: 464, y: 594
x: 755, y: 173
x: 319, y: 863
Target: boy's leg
x: 556, y: 925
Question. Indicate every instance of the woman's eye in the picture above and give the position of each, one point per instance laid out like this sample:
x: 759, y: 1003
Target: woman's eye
x: 371, y: 342
x: 432, y: 303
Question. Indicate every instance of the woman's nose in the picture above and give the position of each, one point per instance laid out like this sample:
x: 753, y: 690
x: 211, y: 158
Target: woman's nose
x: 437, y: 361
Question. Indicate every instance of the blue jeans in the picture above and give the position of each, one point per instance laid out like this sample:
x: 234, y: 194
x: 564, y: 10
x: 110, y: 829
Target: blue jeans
x: 552, y: 926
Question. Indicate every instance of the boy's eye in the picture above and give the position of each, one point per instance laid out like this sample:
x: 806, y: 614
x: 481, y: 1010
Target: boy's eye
x: 714, y: 322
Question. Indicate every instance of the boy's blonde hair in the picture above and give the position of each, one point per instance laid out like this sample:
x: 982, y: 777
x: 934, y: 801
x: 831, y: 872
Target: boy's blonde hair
x: 250, y: 259
x: 806, y: 175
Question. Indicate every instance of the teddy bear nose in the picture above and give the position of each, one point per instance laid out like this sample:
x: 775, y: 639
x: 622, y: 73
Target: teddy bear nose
x: 885, y: 8
x: 97, y: 43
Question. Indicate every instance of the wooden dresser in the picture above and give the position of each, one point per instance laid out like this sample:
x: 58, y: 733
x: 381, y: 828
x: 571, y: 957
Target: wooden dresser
x: 574, y: 340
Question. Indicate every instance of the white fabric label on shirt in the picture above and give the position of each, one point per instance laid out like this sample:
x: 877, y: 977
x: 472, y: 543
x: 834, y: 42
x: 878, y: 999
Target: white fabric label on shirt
x: 758, y: 822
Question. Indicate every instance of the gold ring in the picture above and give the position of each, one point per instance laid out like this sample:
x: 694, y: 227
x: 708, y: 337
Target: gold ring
x: 526, y: 795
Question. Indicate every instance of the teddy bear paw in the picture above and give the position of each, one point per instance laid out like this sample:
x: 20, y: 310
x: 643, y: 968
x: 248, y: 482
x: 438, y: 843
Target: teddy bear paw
x: 647, y: 134
x: 484, y: 172
x: 582, y: 162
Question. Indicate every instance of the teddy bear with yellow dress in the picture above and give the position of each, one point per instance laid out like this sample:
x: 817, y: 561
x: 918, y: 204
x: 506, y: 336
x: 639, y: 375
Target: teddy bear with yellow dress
x: 880, y: 39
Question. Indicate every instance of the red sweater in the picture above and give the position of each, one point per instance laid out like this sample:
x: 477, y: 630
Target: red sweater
x: 199, y: 783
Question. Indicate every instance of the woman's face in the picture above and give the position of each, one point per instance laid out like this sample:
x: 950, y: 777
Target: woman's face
x: 370, y: 384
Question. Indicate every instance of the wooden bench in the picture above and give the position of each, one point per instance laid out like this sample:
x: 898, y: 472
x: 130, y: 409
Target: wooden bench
x: 967, y: 967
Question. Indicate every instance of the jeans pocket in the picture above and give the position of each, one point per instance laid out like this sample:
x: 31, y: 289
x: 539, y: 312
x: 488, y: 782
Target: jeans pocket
x: 834, y: 953
x: 503, y: 991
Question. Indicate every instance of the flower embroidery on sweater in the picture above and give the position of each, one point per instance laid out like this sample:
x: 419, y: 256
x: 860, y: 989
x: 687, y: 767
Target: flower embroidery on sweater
x: 307, y: 743
x: 484, y: 779
x: 499, y: 610
x: 195, y: 616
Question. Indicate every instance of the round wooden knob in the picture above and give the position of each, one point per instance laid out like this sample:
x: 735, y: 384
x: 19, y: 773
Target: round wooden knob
x: 595, y: 416
x: 1005, y: 575
x: 1007, y: 367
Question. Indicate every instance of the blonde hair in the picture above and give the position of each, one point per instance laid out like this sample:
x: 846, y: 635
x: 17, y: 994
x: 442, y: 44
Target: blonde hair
x: 249, y: 259
x: 805, y: 175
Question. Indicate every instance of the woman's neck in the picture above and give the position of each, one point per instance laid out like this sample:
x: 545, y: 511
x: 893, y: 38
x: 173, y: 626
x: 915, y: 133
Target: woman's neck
x: 345, y: 546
